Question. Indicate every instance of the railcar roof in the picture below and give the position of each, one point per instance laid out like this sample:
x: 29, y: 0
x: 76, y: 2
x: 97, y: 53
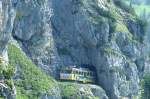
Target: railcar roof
x: 76, y: 68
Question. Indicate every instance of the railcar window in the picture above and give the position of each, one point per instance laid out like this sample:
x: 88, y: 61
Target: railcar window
x: 82, y: 73
x: 87, y: 73
x: 77, y: 72
x: 67, y: 71
x: 73, y: 72
x: 90, y: 73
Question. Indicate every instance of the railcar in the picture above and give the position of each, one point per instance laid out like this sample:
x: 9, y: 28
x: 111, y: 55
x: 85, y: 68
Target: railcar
x: 78, y: 74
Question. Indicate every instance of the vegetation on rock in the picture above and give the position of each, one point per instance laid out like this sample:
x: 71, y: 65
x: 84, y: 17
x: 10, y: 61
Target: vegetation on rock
x: 69, y: 91
x: 32, y: 82
x: 146, y: 87
x: 75, y: 91
x: 6, y: 74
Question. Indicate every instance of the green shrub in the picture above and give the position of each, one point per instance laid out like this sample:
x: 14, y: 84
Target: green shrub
x: 32, y: 81
x: 69, y: 90
x: 121, y: 27
x: 1, y: 67
x: 146, y: 87
x: 125, y: 7
x: 111, y: 13
x: 9, y: 72
x: 19, y: 15
x: 109, y: 51
x: 6, y: 74
x: 143, y: 23
x: 143, y: 29
x: 9, y: 83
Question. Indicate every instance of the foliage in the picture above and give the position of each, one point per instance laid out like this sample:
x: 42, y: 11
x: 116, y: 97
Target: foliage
x: 112, y: 27
x: 6, y: 74
x: 140, y: 8
x: 19, y: 15
x: 115, y: 69
x: 9, y: 83
x: 1, y: 67
x: 72, y: 91
x: 69, y: 90
x: 146, y: 87
x: 32, y: 81
x: 98, y: 13
x: 123, y: 5
x: 109, y: 1
x: 121, y: 27
x: 110, y: 51
x: 143, y: 23
x: 9, y: 72
x: 97, y: 19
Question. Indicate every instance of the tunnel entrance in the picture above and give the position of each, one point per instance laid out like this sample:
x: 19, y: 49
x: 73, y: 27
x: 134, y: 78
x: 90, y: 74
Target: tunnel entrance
x: 92, y: 68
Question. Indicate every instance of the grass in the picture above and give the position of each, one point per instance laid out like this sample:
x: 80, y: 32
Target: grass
x: 120, y: 27
x: 32, y: 82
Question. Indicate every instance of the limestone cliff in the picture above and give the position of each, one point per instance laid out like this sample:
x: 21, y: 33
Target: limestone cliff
x: 105, y: 34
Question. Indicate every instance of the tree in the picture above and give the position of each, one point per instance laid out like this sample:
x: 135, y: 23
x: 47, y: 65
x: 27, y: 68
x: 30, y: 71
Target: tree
x: 146, y: 87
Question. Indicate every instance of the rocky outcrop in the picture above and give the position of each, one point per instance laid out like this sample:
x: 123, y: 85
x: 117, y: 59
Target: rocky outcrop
x: 6, y: 92
x: 7, y: 15
x: 29, y: 78
x: 81, y: 91
x: 100, y: 33
x: 33, y: 29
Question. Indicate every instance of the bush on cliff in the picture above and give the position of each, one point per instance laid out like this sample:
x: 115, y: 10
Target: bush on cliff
x: 30, y: 81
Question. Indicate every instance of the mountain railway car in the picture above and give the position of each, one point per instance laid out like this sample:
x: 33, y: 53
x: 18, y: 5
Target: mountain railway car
x: 83, y: 75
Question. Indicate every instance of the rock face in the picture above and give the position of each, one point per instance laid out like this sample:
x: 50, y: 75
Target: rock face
x: 33, y: 29
x: 7, y: 15
x: 101, y: 33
